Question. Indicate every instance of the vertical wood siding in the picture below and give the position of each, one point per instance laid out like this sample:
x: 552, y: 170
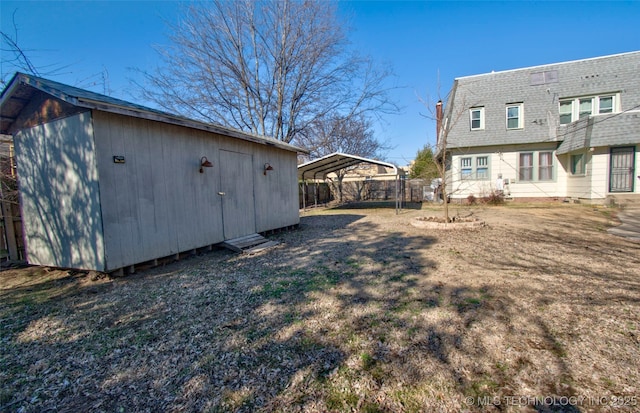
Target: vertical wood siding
x: 157, y: 203
x: 277, y: 192
x: 59, y: 191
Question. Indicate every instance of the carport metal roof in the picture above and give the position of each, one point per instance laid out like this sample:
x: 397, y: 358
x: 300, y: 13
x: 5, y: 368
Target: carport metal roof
x: 319, y: 168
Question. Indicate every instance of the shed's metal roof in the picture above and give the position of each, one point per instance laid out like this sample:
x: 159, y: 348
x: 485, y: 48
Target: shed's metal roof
x: 319, y: 168
x: 22, y: 88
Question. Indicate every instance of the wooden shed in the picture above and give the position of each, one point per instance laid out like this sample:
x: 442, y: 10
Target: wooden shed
x: 106, y: 184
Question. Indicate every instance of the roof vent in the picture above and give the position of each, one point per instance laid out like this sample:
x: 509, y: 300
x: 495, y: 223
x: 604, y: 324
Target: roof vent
x: 543, y: 78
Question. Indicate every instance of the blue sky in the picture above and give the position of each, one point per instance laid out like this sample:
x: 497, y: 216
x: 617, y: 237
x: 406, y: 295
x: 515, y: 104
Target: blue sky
x: 95, y: 44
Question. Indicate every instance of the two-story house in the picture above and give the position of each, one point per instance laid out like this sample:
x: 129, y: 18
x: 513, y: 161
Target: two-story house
x: 568, y: 130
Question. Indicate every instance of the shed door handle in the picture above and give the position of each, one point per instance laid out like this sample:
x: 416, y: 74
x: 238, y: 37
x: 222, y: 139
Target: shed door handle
x: 221, y: 193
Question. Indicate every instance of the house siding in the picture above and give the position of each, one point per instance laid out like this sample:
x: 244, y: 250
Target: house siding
x: 579, y: 185
x: 504, y: 161
x: 539, y: 98
x: 600, y: 173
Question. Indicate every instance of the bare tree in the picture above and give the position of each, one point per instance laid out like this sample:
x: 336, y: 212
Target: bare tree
x: 339, y: 133
x: 268, y: 67
x: 13, y: 55
x: 15, y: 58
x: 445, y: 120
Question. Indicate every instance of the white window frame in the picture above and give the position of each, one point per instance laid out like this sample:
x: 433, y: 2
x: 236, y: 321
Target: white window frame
x: 611, y: 109
x: 584, y: 113
x: 480, y: 111
x: 596, y: 108
x: 520, y: 117
x: 566, y: 113
x: 470, y: 165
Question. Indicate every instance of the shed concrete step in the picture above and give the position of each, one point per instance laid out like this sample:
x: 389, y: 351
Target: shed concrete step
x: 249, y: 244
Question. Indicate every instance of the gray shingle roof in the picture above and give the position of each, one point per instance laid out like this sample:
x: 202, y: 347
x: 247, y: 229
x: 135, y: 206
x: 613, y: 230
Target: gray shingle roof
x: 604, y: 130
x: 539, y: 89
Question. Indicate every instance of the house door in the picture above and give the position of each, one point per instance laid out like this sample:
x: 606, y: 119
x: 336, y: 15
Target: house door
x: 238, y: 209
x: 622, y: 169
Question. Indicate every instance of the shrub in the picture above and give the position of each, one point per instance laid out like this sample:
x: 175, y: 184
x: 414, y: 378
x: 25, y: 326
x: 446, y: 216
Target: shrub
x: 495, y: 198
x: 471, y: 200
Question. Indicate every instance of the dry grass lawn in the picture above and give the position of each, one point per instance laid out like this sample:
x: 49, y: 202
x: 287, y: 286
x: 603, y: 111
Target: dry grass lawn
x: 355, y: 311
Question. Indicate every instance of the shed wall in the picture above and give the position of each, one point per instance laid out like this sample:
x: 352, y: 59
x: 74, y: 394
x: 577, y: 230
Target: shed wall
x: 157, y: 203
x: 59, y: 194
x: 276, y: 193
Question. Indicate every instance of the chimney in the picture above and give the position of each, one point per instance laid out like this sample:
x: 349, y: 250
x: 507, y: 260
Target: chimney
x: 438, y: 120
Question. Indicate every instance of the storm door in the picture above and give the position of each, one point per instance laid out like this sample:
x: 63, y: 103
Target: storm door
x: 238, y: 208
x: 621, y: 170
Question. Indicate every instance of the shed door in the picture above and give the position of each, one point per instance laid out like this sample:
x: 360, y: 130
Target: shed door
x: 238, y: 209
x: 621, y: 173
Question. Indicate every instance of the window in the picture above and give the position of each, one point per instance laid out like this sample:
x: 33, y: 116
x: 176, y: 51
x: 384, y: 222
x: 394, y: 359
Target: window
x: 514, y: 116
x: 605, y: 104
x: 482, y: 167
x: 526, y: 167
x: 577, y: 164
x: 474, y: 167
x: 566, y: 112
x: 585, y: 108
x: 476, y: 116
x: 545, y: 166
x: 572, y: 109
x: 535, y: 166
x: 466, y: 169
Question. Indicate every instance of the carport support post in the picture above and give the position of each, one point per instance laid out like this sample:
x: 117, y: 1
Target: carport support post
x: 397, y: 183
x: 315, y: 194
x: 304, y: 195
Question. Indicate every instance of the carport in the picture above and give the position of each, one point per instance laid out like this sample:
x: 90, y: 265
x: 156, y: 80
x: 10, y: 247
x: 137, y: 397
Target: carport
x: 318, y: 169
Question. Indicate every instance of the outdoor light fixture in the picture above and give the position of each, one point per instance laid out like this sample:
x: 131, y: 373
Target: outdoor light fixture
x: 267, y: 167
x: 204, y: 163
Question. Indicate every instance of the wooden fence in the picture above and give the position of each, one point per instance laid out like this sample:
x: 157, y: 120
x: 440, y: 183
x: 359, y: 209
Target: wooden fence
x: 11, y: 239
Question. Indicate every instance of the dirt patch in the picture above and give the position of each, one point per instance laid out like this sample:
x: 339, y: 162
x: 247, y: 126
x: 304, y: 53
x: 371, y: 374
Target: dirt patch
x: 357, y: 310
